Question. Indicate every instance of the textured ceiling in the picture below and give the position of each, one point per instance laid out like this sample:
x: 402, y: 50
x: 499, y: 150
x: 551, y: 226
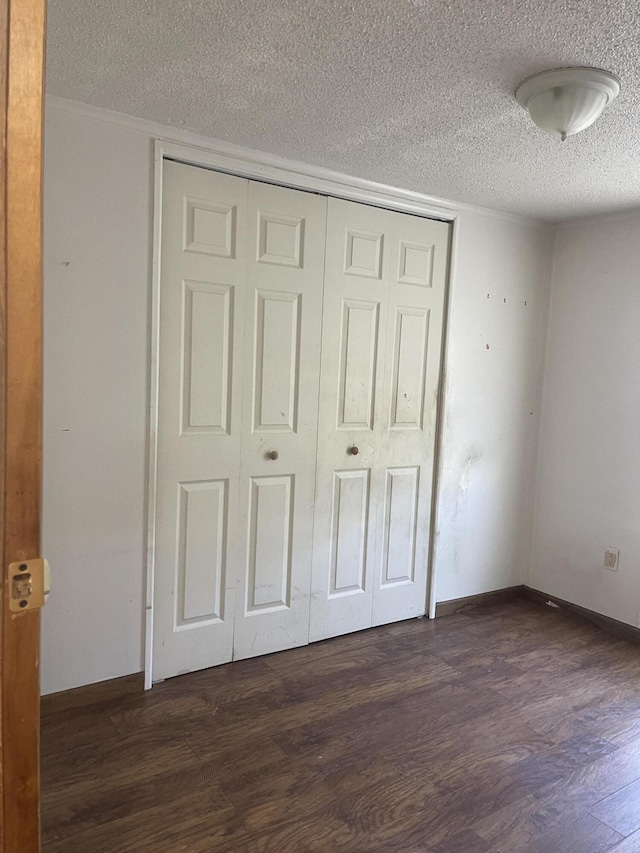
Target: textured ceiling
x: 414, y: 93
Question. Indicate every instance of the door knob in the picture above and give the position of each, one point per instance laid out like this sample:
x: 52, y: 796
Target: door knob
x: 272, y: 454
x: 353, y: 450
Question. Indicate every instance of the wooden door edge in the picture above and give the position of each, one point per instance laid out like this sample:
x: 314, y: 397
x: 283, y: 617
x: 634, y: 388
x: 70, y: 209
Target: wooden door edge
x: 4, y: 73
x: 21, y: 391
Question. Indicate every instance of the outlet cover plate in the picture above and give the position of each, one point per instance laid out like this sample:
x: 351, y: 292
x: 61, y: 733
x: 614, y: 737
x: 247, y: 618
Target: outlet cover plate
x: 611, y: 558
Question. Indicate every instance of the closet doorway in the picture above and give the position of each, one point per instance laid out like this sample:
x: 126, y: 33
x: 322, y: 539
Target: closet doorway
x: 300, y: 341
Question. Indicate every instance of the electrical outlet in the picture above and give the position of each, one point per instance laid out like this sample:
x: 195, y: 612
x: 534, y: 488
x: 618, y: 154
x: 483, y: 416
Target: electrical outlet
x: 611, y: 559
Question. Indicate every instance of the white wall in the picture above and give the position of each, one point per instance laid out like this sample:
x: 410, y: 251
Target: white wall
x: 492, y: 370
x: 98, y: 219
x: 588, y: 481
x: 97, y: 244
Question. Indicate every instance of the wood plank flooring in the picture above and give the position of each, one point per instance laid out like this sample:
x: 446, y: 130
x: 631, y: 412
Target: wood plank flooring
x: 507, y: 728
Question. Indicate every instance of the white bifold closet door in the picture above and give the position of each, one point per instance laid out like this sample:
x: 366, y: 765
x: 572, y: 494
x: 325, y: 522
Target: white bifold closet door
x: 282, y: 322
x: 293, y: 493
x: 202, y: 298
x: 381, y: 349
x: 242, y: 267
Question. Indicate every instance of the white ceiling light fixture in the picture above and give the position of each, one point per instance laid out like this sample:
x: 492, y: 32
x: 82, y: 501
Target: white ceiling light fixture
x: 565, y: 101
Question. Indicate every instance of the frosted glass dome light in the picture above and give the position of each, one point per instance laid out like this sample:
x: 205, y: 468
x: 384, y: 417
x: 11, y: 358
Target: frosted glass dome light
x: 567, y: 100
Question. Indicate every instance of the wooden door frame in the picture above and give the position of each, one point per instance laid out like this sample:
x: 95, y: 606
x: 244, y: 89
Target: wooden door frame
x: 22, y: 33
x: 252, y: 165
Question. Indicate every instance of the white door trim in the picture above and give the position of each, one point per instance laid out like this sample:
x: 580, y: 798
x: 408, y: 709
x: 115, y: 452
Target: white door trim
x: 276, y: 170
x: 270, y: 168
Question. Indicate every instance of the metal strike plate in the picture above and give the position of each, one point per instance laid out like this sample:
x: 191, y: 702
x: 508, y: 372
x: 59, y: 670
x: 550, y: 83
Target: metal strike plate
x: 28, y: 584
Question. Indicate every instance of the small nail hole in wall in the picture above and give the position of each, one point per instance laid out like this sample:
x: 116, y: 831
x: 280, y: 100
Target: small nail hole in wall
x: 504, y: 300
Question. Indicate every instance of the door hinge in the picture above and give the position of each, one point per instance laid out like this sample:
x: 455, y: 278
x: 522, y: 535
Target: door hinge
x: 29, y: 583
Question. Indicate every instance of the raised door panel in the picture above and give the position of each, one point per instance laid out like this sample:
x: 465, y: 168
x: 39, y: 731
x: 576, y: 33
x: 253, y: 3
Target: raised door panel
x: 415, y: 263
x: 363, y: 253
x: 203, y: 270
x: 207, y: 350
x: 270, y: 554
x: 358, y: 362
x: 398, y: 559
x: 280, y: 239
x: 276, y: 361
x: 419, y: 250
x: 409, y: 353
x: 209, y: 228
x: 353, y: 354
x: 282, y: 320
x: 202, y: 552
x: 349, y: 523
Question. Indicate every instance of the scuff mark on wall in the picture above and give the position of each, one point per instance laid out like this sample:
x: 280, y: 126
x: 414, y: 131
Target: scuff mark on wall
x: 454, y: 496
x: 472, y: 459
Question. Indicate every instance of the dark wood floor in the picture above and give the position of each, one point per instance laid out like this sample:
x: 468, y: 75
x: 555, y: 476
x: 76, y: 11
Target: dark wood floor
x: 503, y: 729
